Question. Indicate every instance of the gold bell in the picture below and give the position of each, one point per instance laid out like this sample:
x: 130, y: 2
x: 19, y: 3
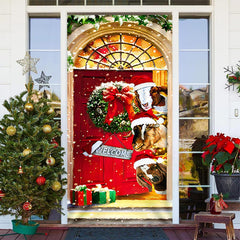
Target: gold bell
x: 20, y: 170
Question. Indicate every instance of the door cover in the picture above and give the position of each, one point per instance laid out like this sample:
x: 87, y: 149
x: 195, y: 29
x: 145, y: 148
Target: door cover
x: 114, y: 173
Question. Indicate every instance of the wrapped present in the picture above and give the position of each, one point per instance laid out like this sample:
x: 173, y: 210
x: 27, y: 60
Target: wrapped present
x: 81, y: 196
x: 112, y: 195
x: 99, y: 195
x: 72, y: 197
x: 103, y: 195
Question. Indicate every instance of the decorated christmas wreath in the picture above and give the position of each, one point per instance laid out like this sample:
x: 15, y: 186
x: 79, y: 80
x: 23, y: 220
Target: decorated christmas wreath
x: 110, y: 106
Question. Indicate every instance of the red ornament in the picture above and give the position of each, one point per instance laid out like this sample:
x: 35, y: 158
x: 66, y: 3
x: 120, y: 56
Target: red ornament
x: 27, y: 206
x: 41, y: 180
x: 55, y: 143
x: 2, y: 194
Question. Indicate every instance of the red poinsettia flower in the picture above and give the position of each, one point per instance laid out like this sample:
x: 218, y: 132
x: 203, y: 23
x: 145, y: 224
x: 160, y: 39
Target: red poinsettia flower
x: 229, y: 147
x: 205, y: 153
x: 236, y: 141
x: 218, y: 167
x: 221, y: 153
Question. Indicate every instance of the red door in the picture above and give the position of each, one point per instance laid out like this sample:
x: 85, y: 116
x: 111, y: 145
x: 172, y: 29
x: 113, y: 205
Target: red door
x: 113, y: 173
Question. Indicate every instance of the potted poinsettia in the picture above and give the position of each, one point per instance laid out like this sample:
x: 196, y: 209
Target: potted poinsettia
x: 221, y: 154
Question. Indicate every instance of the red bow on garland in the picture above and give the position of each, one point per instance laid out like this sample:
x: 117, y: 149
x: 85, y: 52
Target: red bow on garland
x: 114, y: 99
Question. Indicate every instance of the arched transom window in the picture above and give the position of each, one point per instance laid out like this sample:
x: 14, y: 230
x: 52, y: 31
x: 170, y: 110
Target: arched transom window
x: 120, y: 51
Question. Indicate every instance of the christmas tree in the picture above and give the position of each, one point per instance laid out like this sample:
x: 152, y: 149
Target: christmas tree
x: 31, y: 163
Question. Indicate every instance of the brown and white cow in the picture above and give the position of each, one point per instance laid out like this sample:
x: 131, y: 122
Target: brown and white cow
x: 148, y: 95
x: 150, y: 171
x: 149, y: 136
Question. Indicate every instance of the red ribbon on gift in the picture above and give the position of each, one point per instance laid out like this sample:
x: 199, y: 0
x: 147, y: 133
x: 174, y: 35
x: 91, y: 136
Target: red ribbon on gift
x: 115, y: 99
x: 222, y: 203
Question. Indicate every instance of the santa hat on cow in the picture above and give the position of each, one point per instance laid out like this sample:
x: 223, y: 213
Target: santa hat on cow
x: 145, y: 157
x: 89, y: 148
x: 142, y: 82
x: 145, y: 118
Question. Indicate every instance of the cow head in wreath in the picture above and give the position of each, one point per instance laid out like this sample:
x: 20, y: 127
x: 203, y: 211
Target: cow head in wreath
x: 151, y: 171
x: 148, y: 95
x: 149, y: 132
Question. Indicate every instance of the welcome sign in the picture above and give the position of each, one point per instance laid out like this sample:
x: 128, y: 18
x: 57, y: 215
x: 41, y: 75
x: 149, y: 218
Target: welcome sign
x: 114, y: 152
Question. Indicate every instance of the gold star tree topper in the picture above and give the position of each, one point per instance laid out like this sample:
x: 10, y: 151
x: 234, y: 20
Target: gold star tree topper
x: 28, y: 63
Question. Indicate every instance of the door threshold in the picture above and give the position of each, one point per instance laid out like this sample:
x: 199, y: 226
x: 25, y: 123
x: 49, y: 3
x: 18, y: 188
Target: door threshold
x: 119, y: 222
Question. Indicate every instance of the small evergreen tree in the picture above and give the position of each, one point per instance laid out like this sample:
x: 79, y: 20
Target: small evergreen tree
x: 31, y: 161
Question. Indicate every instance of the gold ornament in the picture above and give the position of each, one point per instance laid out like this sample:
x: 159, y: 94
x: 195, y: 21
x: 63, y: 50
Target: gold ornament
x: 26, y: 152
x: 29, y: 107
x: 50, y: 111
x: 11, y: 130
x: 50, y: 161
x: 47, y: 128
x: 56, y: 186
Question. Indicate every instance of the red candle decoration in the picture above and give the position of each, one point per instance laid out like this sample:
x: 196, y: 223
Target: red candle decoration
x: 27, y: 206
x: 41, y: 180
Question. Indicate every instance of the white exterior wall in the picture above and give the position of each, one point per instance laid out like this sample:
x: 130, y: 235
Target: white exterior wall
x: 234, y: 57
x: 225, y: 45
x: 12, y: 47
x: 5, y: 51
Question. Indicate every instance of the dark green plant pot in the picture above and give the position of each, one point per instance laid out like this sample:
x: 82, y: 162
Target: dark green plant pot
x: 28, y: 229
x: 228, y: 184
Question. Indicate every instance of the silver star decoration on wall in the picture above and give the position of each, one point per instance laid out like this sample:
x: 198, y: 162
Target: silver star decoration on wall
x: 28, y: 63
x: 43, y: 81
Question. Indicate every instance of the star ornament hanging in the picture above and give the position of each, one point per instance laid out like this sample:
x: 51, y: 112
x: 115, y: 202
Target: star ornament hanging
x: 43, y: 81
x: 28, y: 63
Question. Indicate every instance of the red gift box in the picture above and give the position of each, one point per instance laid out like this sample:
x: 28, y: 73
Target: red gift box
x: 81, y: 196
